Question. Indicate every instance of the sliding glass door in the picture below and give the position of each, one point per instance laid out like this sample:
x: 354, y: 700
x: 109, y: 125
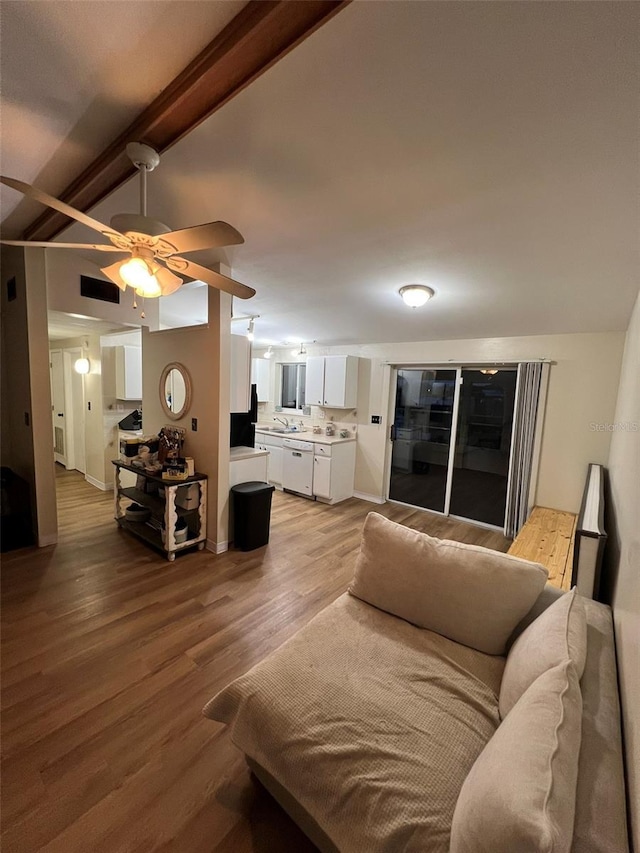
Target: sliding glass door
x: 422, y: 437
x: 483, y: 442
x: 452, y: 439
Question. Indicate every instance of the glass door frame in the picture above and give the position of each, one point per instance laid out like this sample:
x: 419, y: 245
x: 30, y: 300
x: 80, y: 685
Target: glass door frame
x: 454, y: 434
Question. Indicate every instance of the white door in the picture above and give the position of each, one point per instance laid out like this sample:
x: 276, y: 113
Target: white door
x: 322, y: 476
x: 58, y: 406
x: 335, y: 378
x: 314, y: 382
x: 275, y: 464
x: 74, y: 410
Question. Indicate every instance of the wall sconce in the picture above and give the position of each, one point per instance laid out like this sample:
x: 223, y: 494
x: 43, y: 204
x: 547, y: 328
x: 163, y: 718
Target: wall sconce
x: 269, y: 352
x: 82, y: 365
x: 250, y: 334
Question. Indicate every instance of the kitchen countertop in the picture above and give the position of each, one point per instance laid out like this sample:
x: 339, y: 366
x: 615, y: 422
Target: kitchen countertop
x: 238, y: 453
x: 308, y: 435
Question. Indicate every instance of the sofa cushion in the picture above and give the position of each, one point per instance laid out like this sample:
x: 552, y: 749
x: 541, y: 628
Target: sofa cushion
x: 521, y: 792
x: 558, y: 634
x: 470, y: 594
x: 370, y: 723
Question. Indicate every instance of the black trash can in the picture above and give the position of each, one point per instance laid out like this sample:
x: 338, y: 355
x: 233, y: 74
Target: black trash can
x: 251, y: 514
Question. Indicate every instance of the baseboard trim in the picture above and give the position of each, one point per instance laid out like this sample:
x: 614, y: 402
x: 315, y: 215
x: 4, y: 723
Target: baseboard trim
x: 104, y: 487
x: 217, y: 547
x: 374, y: 499
x: 50, y: 539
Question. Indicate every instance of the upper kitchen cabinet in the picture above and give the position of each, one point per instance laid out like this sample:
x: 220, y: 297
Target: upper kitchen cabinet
x: 332, y: 381
x: 240, y: 390
x: 261, y: 378
x: 128, y: 373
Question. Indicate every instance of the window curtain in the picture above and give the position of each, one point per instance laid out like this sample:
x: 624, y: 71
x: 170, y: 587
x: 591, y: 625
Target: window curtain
x: 525, y: 443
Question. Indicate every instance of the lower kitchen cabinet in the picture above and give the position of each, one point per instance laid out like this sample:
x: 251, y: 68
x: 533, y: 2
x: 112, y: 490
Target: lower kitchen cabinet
x: 322, y: 476
x: 273, y: 444
x: 334, y: 471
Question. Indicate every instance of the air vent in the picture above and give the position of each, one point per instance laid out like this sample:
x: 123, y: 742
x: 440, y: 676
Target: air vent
x: 96, y: 288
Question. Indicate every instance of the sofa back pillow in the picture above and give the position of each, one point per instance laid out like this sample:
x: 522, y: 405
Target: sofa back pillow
x: 520, y: 794
x: 469, y: 594
x: 558, y: 634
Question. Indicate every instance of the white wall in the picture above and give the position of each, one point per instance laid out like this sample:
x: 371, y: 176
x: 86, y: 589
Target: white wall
x: 582, y: 392
x: 204, y: 351
x: 26, y: 391
x: 623, y: 555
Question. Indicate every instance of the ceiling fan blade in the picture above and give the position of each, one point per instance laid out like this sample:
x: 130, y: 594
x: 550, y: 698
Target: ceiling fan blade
x: 67, y: 210
x: 168, y: 282
x: 215, y: 279
x: 113, y: 274
x: 211, y: 235
x: 101, y: 247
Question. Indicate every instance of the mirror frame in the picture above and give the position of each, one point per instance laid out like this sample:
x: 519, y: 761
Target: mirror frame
x: 182, y: 370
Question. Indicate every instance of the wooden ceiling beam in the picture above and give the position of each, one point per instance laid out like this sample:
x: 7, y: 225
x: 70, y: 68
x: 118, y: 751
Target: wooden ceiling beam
x: 261, y: 33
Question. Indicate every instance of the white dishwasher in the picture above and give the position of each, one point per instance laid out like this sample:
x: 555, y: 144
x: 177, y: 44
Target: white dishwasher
x: 297, y: 466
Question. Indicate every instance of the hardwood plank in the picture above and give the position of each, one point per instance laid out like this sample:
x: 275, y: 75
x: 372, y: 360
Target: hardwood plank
x: 547, y: 538
x: 110, y: 652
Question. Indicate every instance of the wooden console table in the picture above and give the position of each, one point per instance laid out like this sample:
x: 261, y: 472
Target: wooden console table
x: 164, y: 511
x: 547, y: 537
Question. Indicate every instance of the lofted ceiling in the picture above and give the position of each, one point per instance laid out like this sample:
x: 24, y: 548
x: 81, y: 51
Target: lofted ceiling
x: 488, y: 150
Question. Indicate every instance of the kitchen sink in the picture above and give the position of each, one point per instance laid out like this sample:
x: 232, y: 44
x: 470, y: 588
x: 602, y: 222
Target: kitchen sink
x: 285, y: 430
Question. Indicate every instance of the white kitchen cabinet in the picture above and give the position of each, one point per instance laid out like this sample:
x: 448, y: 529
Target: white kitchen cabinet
x: 261, y: 378
x: 334, y: 471
x: 128, y: 373
x: 322, y: 476
x: 248, y: 469
x: 240, y: 388
x: 272, y: 443
x: 332, y: 381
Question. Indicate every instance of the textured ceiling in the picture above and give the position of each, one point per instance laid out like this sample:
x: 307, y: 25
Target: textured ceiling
x: 489, y: 150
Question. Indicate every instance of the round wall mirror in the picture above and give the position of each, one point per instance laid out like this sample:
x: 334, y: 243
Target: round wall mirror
x: 175, y: 390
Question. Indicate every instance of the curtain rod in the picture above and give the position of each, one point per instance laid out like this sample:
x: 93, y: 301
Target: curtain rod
x: 458, y: 363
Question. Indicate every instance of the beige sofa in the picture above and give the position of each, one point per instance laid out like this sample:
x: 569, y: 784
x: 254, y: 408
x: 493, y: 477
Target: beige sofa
x: 451, y: 701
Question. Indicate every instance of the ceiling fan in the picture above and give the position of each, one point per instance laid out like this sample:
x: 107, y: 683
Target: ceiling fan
x: 154, y: 250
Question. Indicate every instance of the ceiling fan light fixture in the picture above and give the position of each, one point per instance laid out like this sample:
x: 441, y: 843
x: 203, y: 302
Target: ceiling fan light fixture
x: 416, y: 295
x: 135, y: 272
x: 150, y: 288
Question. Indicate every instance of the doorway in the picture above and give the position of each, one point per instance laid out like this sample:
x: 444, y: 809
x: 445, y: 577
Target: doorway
x: 451, y: 440
x: 67, y: 410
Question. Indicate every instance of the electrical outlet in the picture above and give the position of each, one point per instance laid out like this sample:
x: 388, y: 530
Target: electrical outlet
x: 321, y: 414
x: 376, y: 419
x: 194, y: 424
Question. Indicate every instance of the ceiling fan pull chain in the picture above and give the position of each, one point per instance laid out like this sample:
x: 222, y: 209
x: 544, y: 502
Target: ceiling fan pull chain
x: 142, y: 314
x: 135, y: 304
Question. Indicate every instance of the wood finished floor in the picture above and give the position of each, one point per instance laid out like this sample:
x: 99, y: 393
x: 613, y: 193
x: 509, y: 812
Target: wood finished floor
x: 109, y: 652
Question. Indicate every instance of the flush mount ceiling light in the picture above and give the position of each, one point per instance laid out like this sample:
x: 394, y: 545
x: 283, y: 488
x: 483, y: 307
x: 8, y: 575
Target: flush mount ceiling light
x: 82, y: 365
x: 415, y: 295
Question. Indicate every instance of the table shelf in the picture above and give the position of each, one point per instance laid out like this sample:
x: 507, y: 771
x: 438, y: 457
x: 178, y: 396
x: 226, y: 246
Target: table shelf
x: 163, y: 509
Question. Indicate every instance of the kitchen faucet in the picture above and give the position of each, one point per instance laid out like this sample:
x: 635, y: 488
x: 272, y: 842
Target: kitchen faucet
x: 283, y: 421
